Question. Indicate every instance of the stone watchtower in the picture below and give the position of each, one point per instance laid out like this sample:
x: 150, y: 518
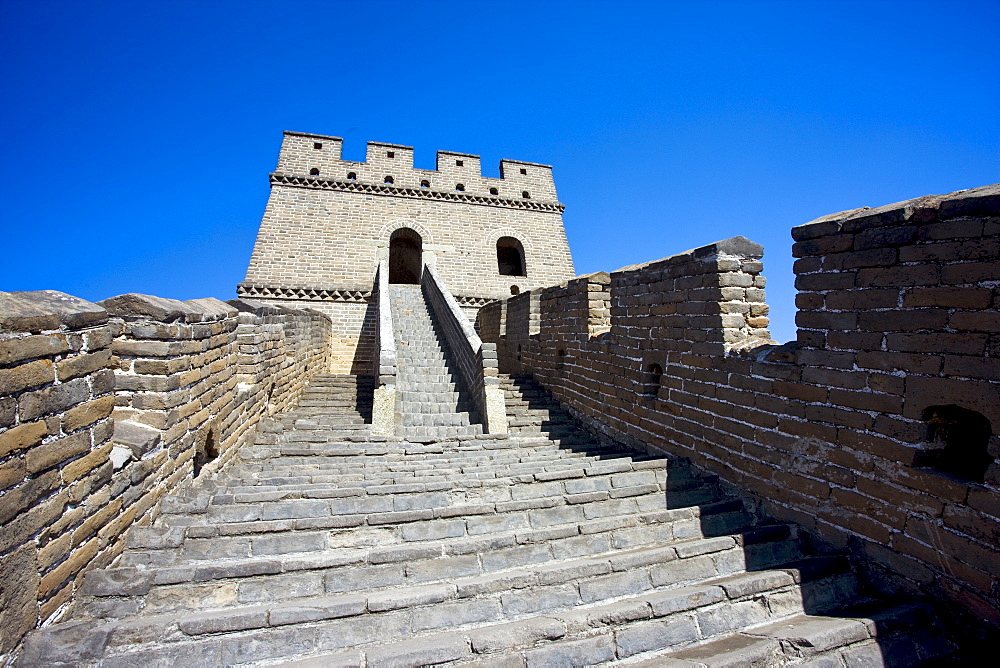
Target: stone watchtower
x: 329, y: 221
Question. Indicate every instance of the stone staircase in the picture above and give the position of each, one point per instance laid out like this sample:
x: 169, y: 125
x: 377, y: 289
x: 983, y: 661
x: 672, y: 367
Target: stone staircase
x: 319, y: 547
x: 332, y: 406
x: 532, y: 412
x: 431, y: 402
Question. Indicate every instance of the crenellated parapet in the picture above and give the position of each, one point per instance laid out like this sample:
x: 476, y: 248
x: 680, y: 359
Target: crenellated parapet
x: 388, y: 170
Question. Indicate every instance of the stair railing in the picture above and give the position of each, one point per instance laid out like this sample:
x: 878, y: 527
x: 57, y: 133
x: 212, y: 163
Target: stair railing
x: 477, y: 361
x: 384, y: 400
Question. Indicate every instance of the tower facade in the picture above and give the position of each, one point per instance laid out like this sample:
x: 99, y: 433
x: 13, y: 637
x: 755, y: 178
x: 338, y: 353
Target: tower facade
x: 329, y: 222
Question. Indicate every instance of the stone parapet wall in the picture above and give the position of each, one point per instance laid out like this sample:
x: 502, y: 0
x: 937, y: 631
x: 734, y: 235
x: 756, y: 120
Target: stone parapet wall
x: 846, y: 431
x: 104, y: 408
x: 477, y: 361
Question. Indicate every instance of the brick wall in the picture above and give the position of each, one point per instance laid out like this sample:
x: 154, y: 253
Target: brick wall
x: 106, y: 407
x: 898, y: 315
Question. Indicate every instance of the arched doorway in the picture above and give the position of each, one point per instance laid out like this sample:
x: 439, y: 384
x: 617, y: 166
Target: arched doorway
x: 405, y: 262
x: 510, y: 257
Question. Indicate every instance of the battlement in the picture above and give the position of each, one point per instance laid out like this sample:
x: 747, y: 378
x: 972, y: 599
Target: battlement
x: 321, y: 157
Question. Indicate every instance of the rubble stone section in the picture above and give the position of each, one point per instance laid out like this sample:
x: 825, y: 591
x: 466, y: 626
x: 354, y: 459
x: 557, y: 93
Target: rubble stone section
x: 105, y: 408
x: 322, y: 234
x: 321, y: 547
x: 898, y: 314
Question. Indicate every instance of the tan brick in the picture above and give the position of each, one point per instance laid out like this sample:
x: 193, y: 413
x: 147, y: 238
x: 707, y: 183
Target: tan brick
x: 22, y: 436
x: 86, y: 414
x: 31, y: 347
x: 16, y: 500
x: 97, y: 520
x: 25, y: 376
x: 67, y: 570
x: 81, y: 467
x: 55, y: 452
x: 82, y: 365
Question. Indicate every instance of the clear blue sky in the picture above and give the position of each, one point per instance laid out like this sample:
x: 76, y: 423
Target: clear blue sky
x: 137, y: 136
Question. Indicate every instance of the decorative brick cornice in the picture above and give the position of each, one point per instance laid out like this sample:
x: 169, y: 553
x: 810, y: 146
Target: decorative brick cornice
x: 346, y: 295
x: 317, y: 183
x: 474, y: 301
x: 259, y: 291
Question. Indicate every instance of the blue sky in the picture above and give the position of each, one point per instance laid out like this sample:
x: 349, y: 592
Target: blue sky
x: 137, y: 136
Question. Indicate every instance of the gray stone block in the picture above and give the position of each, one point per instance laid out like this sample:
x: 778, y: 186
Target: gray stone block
x: 364, y: 577
x: 723, y: 619
x: 318, y: 609
x: 505, y: 637
x: 410, y: 596
x: 814, y: 634
x: 655, y: 635
x: 68, y: 643
x: 222, y: 621
x: 419, y: 652
x: 38, y: 310
x: 614, y: 585
x: 735, y: 652
x: 539, y: 599
x: 515, y: 556
x: 450, y: 615
x: 116, y: 582
x: 679, y: 599
x: 443, y: 568
x: 585, y: 652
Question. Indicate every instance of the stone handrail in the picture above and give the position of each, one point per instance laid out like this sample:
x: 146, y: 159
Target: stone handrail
x: 384, y: 363
x: 477, y: 361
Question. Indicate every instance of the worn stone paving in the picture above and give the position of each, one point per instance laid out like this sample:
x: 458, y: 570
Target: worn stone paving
x: 325, y: 546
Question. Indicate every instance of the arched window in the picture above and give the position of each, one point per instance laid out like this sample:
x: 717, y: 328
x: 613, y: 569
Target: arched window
x: 525, y: 194
x: 510, y: 257
x: 205, y: 451
x: 387, y: 179
x: 425, y: 184
x: 351, y: 176
x: 494, y: 191
x: 651, y: 381
x: 314, y: 171
x: 460, y: 187
x: 958, y: 439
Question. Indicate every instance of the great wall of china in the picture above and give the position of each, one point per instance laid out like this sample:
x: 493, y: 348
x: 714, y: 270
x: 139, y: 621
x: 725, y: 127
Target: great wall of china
x: 418, y: 438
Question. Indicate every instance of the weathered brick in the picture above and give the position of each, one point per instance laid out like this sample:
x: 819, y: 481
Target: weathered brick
x: 56, y: 452
x: 25, y: 376
x: 86, y: 414
x: 22, y: 436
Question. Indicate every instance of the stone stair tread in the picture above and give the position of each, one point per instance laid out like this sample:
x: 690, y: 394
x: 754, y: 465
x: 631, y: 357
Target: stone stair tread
x: 125, y: 580
x: 596, y: 613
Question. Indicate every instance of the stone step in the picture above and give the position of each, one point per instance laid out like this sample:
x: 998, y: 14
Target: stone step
x: 886, y: 635
x: 479, y: 514
x: 580, y: 473
x: 599, y: 615
x: 597, y: 474
x: 336, y: 459
x: 287, y: 576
